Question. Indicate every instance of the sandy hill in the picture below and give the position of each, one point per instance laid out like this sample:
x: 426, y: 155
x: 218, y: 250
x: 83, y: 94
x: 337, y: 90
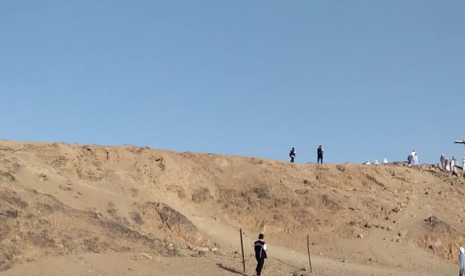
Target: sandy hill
x: 95, y: 210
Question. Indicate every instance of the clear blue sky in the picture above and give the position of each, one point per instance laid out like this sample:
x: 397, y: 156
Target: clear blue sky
x: 366, y: 79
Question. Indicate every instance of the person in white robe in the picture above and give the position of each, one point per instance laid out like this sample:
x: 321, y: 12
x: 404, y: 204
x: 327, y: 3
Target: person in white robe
x: 415, y: 159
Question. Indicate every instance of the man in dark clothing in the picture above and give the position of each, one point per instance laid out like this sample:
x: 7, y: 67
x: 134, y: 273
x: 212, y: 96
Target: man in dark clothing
x: 292, y: 155
x: 260, y: 254
x: 320, y: 152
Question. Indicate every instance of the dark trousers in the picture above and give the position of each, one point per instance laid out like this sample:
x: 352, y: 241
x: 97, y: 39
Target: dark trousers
x: 292, y: 159
x: 320, y: 158
x: 260, y: 263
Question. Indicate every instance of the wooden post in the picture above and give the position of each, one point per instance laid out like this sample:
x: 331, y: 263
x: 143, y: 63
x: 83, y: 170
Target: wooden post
x: 242, y: 249
x: 309, y: 258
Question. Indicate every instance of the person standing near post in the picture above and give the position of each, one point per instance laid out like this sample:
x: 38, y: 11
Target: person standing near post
x: 320, y: 152
x: 292, y: 154
x: 260, y: 254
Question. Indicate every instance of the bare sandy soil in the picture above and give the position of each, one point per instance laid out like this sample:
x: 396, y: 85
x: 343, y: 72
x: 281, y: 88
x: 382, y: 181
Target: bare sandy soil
x: 94, y: 210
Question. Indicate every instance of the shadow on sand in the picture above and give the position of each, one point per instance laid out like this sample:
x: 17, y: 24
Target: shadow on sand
x: 290, y: 265
x: 232, y: 270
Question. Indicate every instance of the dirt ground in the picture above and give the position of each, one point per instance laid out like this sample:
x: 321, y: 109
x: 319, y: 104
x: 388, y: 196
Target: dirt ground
x: 95, y: 210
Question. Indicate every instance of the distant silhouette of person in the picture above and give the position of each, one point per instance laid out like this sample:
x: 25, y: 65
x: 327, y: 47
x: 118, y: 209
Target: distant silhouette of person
x: 453, y: 164
x: 415, y: 159
x: 320, y: 151
x: 260, y: 254
x: 292, y: 154
x: 443, y: 162
x: 411, y: 157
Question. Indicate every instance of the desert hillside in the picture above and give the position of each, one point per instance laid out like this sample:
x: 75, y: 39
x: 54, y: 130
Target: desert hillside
x: 95, y: 210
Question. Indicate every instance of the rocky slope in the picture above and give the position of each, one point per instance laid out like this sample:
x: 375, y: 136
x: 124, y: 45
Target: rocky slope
x: 59, y: 199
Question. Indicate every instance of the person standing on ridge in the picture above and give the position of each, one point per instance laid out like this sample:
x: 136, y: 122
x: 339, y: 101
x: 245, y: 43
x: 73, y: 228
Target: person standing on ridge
x: 415, y: 159
x: 320, y: 152
x: 452, y: 164
x: 292, y: 154
x: 260, y: 254
x: 410, y: 158
x: 447, y: 162
x: 443, y: 162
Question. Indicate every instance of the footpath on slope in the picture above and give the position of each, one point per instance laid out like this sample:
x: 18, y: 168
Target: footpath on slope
x: 229, y: 238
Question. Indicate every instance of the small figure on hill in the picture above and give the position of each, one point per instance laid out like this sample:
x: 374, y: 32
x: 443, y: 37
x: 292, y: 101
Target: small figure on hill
x: 461, y: 261
x: 376, y: 162
x: 410, y: 158
x: 453, y: 166
x: 447, y: 165
x: 385, y: 161
x: 292, y: 154
x: 320, y: 151
x: 443, y: 162
x: 463, y: 164
x: 415, y: 159
x: 260, y: 254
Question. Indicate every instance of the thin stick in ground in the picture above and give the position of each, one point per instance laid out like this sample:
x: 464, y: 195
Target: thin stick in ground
x: 242, y: 249
x: 308, y: 249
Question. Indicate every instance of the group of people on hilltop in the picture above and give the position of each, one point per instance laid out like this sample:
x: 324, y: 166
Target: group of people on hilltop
x: 319, y: 153
x: 413, y: 158
x: 450, y: 165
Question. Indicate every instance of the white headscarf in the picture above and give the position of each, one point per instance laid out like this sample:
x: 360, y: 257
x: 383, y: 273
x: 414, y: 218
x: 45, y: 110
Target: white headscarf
x: 462, y: 250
